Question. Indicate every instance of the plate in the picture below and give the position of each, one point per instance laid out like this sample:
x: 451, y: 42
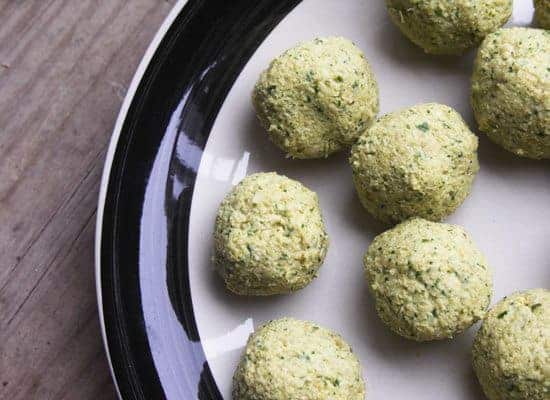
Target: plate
x: 187, y: 133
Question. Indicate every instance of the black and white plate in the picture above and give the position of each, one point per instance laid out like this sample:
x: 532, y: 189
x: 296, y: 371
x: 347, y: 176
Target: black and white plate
x: 187, y: 133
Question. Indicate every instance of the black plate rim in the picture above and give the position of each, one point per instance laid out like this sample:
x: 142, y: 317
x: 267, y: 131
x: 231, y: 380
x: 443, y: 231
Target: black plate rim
x: 108, y: 163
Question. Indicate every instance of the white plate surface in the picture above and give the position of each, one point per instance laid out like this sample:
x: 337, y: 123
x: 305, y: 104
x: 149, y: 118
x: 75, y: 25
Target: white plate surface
x: 508, y: 212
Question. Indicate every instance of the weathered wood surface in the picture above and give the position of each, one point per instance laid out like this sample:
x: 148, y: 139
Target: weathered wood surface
x: 64, y: 69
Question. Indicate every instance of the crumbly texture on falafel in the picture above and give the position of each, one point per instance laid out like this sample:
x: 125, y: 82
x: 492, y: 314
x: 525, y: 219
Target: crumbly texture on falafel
x: 417, y: 162
x: 269, y: 236
x: 288, y: 359
x: 428, y: 279
x: 448, y: 26
x: 511, y: 352
x: 511, y: 90
x: 317, y: 98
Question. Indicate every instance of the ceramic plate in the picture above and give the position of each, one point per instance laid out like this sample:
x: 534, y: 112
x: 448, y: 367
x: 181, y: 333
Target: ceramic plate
x: 187, y: 133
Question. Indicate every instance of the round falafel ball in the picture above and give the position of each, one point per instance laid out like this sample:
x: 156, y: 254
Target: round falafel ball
x: 511, y: 90
x: 511, y: 352
x: 269, y: 236
x: 542, y: 13
x: 417, y: 162
x: 291, y: 359
x: 448, y: 26
x: 428, y: 279
x: 317, y: 98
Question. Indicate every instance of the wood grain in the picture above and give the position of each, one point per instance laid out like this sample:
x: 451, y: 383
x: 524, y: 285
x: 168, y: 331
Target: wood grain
x: 64, y: 69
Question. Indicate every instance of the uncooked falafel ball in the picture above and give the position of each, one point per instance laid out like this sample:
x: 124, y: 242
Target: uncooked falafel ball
x: 511, y: 90
x: 317, y: 98
x: 448, y: 26
x: 290, y: 359
x: 511, y: 352
x: 428, y: 279
x: 269, y: 236
x: 417, y: 162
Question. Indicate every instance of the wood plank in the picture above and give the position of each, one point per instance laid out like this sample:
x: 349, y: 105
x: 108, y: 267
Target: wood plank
x: 64, y: 68
x: 53, y: 339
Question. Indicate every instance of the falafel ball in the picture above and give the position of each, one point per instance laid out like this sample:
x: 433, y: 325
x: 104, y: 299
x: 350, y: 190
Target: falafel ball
x: 269, y: 236
x: 428, y: 279
x: 291, y: 359
x: 417, y: 162
x: 317, y: 98
x: 448, y: 26
x: 511, y: 90
x: 511, y: 352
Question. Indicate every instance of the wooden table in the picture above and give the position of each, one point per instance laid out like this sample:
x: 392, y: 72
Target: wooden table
x: 64, y: 69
